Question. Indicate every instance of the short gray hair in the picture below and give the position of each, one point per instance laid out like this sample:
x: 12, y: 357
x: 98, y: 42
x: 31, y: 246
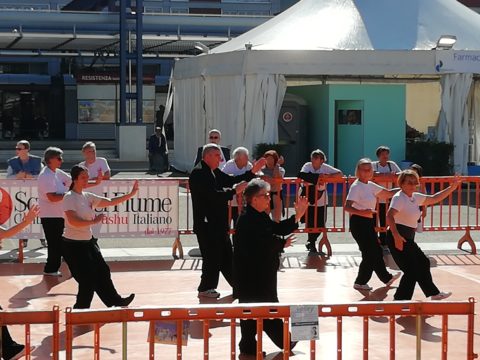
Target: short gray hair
x: 215, y: 131
x: 317, y: 153
x: 253, y: 188
x: 51, y: 153
x: 240, y: 150
x: 209, y: 148
x: 89, y: 145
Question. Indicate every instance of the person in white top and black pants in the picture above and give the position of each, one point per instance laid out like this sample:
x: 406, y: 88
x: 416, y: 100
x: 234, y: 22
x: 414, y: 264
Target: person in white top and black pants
x: 53, y: 183
x: 80, y: 249
x: 384, y: 167
x: 361, y: 202
x: 316, y: 172
x: 402, y: 219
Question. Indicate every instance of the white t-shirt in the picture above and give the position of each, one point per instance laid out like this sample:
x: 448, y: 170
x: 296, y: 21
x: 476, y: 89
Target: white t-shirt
x: 390, y: 168
x: 83, y: 204
x: 231, y: 168
x: 408, y: 208
x: 100, y: 163
x: 56, y: 182
x: 364, y: 196
x: 323, y: 169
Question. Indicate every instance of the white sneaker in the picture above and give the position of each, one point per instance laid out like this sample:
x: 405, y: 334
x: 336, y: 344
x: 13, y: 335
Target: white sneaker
x: 362, y: 287
x: 393, y: 279
x: 441, y: 295
x: 211, y: 293
x: 56, y: 273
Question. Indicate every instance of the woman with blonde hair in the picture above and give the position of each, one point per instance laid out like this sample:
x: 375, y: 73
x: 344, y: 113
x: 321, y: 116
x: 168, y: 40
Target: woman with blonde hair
x: 402, y: 218
x: 361, y: 204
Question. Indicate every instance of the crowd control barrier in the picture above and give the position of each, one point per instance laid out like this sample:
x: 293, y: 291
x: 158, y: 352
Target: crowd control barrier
x: 259, y: 312
x: 28, y: 318
x: 459, y: 212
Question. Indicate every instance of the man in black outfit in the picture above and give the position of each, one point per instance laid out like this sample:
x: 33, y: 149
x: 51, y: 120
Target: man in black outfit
x: 214, y: 137
x: 211, y: 190
x: 257, y: 246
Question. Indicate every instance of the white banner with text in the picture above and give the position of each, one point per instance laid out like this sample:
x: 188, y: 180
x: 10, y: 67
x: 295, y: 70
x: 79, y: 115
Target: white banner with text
x: 152, y: 212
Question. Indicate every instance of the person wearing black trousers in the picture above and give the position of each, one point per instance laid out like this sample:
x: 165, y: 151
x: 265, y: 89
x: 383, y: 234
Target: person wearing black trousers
x: 315, y: 173
x: 10, y: 349
x: 211, y: 190
x: 80, y: 249
x: 257, y: 244
x: 52, y: 185
x: 361, y: 202
x: 402, y: 219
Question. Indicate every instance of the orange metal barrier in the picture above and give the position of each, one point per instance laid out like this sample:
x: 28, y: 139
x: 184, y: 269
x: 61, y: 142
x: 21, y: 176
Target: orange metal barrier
x: 259, y: 312
x: 459, y: 212
x: 27, y: 318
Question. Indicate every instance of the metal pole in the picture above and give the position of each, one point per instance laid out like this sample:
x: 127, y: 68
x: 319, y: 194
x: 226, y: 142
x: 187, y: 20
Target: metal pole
x: 123, y: 61
x: 139, y: 53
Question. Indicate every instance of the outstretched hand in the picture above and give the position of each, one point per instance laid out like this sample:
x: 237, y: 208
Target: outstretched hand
x: 134, y: 188
x: 32, y: 213
x: 300, y: 206
x: 259, y: 165
x: 457, y: 181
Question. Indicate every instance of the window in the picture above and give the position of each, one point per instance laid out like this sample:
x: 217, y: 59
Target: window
x: 179, y: 10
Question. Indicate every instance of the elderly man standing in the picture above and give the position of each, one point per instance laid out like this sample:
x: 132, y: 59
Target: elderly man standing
x: 97, y: 166
x: 257, y: 246
x: 214, y: 137
x: 211, y: 190
x: 239, y: 165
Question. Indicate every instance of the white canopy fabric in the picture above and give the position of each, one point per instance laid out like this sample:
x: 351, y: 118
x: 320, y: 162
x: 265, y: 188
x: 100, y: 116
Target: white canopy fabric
x: 313, y: 37
x: 453, y: 124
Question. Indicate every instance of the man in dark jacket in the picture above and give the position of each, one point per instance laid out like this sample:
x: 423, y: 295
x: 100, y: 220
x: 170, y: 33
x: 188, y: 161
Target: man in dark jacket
x: 257, y: 246
x: 157, y: 151
x: 214, y: 137
x: 211, y: 190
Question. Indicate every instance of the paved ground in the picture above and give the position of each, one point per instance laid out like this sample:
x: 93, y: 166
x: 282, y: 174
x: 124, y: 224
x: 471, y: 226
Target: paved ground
x: 301, y: 280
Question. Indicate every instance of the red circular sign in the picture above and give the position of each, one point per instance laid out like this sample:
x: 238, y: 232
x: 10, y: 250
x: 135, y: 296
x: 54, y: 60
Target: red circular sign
x: 6, y: 206
x: 287, y: 116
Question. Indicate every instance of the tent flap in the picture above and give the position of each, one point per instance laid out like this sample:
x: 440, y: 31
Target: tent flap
x: 244, y: 108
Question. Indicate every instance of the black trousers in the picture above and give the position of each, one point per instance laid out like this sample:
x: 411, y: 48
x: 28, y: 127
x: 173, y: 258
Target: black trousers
x: 382, y: 219
x: 321, y: 218
x: 92, y: 273
x: 363, y: 231
x: 6, y: 342
x: 217, y: 256
x: 53, y: 229
x: 414, y: 264
x: 272, y: 327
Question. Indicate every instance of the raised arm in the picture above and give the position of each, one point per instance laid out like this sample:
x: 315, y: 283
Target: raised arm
x: 441, y: 195
x: 119, y: 199
x: 27, y: 220
x: 385, y: 194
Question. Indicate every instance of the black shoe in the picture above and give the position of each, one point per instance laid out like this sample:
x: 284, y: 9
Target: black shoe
x: 126, y: 301
x: 14, y: 351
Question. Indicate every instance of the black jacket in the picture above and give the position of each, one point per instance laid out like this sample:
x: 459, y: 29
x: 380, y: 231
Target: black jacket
x: 256, y: 250
x: 225, y: 151
x: 210, y: 196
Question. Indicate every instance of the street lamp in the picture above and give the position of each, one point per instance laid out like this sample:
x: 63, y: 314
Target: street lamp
x: 446, y: 42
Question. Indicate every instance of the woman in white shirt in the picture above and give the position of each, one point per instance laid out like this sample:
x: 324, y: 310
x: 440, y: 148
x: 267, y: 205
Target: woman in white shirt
x: 361, y: 203
x: 80, y: 249
x: 402, y: 219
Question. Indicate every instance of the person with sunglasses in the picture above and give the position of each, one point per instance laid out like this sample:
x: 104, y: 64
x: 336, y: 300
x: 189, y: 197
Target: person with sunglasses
x: 402, y: 219
x: 53, y: 183
x: 214, y: 137
x: 10, y: 349
x: 257, y: 244
x: 24, y: 166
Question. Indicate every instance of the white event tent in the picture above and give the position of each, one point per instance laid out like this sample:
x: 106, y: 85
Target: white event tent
x: 239, y: 86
